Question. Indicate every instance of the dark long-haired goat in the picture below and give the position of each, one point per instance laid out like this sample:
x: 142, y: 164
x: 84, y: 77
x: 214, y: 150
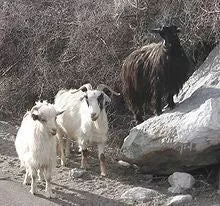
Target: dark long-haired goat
x: 153, y: 72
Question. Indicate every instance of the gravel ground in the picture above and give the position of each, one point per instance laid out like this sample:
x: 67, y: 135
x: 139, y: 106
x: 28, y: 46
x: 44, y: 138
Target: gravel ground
x: 91, y: 189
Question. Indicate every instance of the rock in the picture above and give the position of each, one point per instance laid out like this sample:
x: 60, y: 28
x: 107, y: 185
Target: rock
x: 137, y: 194
x: 187, y: 137
x: 179, y: 199
x: 180, y: 182
x: 76, y: 173
x: 123, y: 163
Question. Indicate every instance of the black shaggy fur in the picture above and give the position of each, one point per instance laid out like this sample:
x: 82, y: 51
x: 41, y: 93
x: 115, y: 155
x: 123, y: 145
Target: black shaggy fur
x: 153, y: 72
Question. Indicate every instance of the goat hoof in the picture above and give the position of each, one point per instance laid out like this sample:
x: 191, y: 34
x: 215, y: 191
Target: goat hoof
x: 103, y: 174
x: 33, y: 192
x: 172, y: 106
x: 50, y: 195
x: 137, y: 122
x: 26, y: 183
x: 159, y: 113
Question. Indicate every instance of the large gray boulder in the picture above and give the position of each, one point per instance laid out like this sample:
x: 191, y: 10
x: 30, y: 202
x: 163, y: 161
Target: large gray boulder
x: 187, y: 137
x: 180, y: 181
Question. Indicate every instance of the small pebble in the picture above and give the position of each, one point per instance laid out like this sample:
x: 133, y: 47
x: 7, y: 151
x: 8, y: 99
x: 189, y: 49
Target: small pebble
x: 76, y: 173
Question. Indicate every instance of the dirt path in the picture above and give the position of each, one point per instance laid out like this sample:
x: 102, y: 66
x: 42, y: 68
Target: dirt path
x: 12, y: 193
x: 91, y: 189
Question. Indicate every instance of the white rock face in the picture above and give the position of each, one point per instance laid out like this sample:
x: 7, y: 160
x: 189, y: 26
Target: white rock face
x: 137, y: 194
x: 180, y: 181
x: 187, y: 137
x: 179, y: 199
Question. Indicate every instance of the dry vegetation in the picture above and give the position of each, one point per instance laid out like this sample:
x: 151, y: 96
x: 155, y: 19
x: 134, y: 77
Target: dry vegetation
x: 46, y: 45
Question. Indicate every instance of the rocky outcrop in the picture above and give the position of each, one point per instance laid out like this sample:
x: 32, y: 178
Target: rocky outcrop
x: 187, y: 137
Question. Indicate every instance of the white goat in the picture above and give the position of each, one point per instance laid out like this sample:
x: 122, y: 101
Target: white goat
x: 36, y: 144
x: 84, y: 120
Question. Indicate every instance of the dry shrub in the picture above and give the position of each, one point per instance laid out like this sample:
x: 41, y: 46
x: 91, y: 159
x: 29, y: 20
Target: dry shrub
x: 49, y: 45
x: 199, y: 21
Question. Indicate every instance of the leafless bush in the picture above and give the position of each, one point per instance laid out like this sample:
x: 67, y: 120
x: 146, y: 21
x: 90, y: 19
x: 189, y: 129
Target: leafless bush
x: 49, y: 45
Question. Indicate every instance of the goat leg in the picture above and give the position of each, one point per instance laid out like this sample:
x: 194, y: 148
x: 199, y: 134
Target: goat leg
x: 33, y: 174
x: 48, y: 189
x: 101, y: 147
x: 170, y: 101
x: 67, y: 147
x: 26, y: 178
x: 40, y: 174
x: 158, y: 97
x: 84, y: 161
x: 138, y: 114
x: 62, y: 149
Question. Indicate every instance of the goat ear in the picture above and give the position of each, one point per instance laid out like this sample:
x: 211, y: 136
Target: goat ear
x: 35, y: 116
x: 84, y: 89
x: 107, y: 98
x: 35, y: 113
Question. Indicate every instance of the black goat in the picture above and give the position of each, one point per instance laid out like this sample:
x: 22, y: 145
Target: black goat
x: 153, y: 72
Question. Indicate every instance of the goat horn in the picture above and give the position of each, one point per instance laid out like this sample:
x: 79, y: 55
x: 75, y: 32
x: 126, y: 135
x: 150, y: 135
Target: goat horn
x: 36, y: 107
x: 103, y: 86
x: 82, y: 88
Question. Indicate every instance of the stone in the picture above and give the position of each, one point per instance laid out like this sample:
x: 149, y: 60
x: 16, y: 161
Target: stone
x: 139, y: 194
x: 123, y: 163
x: 77, y: 173
x: 179, y: 199
x: 180, y: 182
x: 186, y: 137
